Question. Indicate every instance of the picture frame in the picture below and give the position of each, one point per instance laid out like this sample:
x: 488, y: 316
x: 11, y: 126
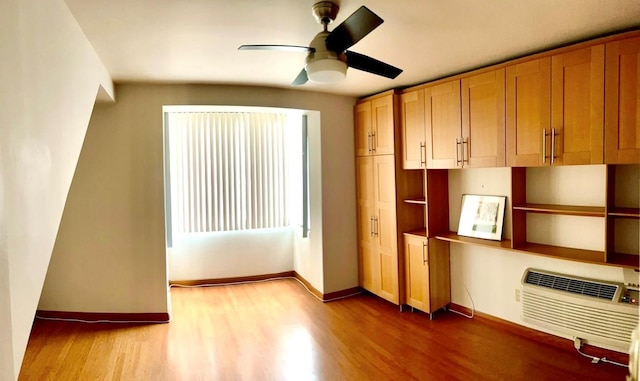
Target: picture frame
x: 482, y: 216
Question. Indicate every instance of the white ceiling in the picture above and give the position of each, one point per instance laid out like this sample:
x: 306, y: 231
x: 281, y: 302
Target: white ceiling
x: 196, y: 41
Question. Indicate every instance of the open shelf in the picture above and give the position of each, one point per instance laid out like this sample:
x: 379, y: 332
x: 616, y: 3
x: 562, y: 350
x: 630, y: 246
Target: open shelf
x: 420, y: 201
x: 580, y: 255
x: 624, y: 212
x: 625, y: 260
x: 569, y: 210
x: 454, y: 237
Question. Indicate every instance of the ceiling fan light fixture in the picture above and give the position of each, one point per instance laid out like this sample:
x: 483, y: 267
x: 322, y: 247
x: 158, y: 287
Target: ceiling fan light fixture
x: 326, y: 70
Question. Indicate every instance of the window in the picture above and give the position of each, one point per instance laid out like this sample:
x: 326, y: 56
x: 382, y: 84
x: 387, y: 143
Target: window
x: 233, y: 170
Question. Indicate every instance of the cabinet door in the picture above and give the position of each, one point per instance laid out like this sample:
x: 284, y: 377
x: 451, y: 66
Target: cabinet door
x: 413, y: 130
x: 362, y: 119
x: 365, y: 201
x: 483, y: 126
x: 577, y: 106
x: 385, y: 227
x: 383, y: 125
x: 528, y: 113
x: 622, y: 107
x: 416, y: 272
x: 443, y: 124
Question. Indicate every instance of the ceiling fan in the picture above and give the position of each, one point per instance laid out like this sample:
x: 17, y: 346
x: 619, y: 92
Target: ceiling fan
x: 327, y: 57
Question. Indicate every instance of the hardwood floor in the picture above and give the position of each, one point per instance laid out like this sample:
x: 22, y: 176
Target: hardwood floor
x: 275, y: 330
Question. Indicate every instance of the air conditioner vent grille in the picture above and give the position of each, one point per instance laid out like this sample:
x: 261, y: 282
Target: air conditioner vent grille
x: 575, y: 286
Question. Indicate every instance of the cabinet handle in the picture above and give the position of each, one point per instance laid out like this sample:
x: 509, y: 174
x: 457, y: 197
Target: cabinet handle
x: 373, y: 141
x: 375, y: 219
x: 424, y: 252
x: 423, y: 149
x: 544, y: 145
x: 371, y: 226
x: 553, y: 145
x: 458, y: 161
x: 369, y: 142
x: 465, y: 152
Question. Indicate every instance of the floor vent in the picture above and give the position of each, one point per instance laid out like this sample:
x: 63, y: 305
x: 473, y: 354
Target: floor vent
x: 590, y: 309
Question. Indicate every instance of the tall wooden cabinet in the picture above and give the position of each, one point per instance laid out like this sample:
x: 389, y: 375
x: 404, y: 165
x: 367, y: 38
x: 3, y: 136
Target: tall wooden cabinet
x: 381, y: 185
x: 376, y: 198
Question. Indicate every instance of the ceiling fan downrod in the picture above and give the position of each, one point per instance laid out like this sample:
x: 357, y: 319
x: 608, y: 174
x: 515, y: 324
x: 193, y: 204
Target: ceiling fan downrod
x: 325, y: 12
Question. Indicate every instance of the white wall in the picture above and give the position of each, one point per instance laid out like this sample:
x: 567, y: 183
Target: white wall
x: 491, y: 276
x: 232, y: 254
x: 110, y: 253
x: 50, y: 77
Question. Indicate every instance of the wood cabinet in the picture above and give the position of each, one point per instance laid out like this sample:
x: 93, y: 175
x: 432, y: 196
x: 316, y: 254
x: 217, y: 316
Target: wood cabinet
x: 577, y: 107
x: 374, y: 126
x: 376, y: 212
x: 528, y: 110
x: 622, y: 142
x: 555, y: 109
x: 443, y: 125
x: 483, y: 119
x: 465, y: 125
x: 427, y: 273
x: 381, y: 187
x: 413, y: 130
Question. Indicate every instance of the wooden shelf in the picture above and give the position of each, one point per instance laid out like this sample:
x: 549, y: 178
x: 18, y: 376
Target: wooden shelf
x: 454, y: 237
x: 418, y: 233
x: 624, y: 212
x: 569, y: 210
x: 580, y: 255
x: 420, y: 201
x: 625, y: 260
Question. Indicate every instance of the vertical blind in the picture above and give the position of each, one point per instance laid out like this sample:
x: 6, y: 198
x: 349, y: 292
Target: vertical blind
x: 227, y: 171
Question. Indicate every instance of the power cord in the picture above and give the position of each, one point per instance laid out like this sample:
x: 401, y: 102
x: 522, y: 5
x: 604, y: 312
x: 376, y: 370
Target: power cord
x: 577, y: 344
x: 195, y: 286
x: 267, y: 280
x: 473, y: 306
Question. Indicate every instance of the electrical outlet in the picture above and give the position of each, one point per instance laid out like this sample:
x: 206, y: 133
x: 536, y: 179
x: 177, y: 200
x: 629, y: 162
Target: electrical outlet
x: 517, y: 294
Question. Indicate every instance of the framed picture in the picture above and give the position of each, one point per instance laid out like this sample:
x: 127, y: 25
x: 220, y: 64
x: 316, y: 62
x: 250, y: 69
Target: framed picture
x: 482, y: 216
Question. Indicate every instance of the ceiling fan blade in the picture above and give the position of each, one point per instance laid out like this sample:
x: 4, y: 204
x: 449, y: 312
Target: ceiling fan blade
x: 353, y: 29
x: 301, y: 79
x: 371, y: 65
x: 285, y: 48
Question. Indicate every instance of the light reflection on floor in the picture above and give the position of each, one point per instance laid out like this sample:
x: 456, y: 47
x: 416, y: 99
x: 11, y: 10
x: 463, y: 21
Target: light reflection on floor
x: 297, y: 349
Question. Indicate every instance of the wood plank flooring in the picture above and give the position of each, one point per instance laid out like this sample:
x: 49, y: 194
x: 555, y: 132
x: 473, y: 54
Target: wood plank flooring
x: 275, y: 330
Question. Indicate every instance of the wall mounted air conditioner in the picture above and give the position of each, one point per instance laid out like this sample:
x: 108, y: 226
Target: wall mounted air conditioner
x: 602, y: 313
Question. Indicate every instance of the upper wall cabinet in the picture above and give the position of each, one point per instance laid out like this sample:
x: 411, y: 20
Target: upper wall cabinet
x: 414, y: 154
x: 443, y: 125
x: 577, y: 107
x: 555, y: 109
x: 464, y: 121
x: 623, y: 102
x: 483, y: 125
x: 374, y: 121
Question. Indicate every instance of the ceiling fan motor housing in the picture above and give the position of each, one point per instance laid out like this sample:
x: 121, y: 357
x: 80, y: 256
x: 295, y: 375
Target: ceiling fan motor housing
x: 325, y: 12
